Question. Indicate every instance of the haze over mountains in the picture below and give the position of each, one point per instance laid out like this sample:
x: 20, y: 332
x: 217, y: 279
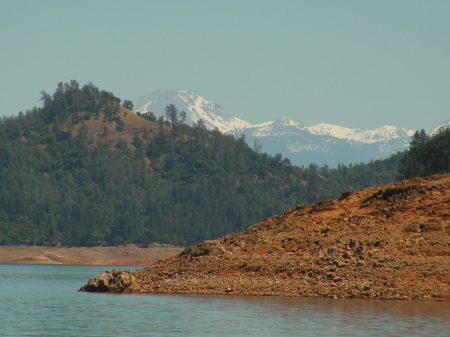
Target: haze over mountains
x: 320, y: 144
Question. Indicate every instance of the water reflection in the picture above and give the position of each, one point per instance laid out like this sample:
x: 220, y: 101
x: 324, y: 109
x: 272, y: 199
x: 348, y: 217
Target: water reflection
x: 317, y: 316
x: 354, y: 306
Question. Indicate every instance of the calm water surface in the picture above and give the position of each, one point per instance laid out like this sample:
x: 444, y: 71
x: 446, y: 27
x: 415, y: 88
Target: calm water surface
x: 42, y: 300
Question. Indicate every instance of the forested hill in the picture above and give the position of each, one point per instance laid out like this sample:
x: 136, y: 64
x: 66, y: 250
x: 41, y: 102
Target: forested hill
x: 427, y: 154
x: 85, y: 170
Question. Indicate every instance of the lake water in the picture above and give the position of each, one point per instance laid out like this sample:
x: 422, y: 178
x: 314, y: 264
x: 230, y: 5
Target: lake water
x: 42, y: 300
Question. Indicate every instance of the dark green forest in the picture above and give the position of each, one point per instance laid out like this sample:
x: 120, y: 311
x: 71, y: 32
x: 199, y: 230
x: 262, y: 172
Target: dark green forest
x: 179, y: 184
x: 427, y: 155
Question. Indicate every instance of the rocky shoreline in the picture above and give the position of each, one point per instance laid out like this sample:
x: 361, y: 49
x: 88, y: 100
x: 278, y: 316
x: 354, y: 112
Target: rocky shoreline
x: 391, y: 242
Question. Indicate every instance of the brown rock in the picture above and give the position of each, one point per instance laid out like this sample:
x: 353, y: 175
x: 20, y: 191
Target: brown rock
x: 208, y: 247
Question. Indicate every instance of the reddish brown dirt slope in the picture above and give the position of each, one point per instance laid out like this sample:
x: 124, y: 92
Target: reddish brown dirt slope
x: 391, y: 242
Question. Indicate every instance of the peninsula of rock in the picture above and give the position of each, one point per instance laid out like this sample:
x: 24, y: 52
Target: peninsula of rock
x: 389, y: 242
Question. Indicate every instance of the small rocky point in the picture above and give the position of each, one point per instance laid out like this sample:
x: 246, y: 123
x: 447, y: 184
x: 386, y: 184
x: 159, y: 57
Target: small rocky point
x: 114, y: 280
x: 390, y: 242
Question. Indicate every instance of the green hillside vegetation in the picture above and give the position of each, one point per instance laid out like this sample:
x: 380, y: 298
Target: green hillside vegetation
x: 84, y: 170
x: 427, y: 155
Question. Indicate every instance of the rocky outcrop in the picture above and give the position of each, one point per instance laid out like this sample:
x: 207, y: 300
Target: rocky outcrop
x: 114, y: 280
x: 208, y: 247
x: 391, y: 242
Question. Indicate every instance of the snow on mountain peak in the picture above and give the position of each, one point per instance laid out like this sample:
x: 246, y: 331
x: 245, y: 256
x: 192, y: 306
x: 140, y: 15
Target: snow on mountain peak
x: 384, y: 133
x: 321, y: 143
x: 196, y: 108
x: 287, y: 122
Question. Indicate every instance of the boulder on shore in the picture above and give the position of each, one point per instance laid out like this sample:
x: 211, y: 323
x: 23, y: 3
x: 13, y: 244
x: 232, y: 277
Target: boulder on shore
x: 114, y: 280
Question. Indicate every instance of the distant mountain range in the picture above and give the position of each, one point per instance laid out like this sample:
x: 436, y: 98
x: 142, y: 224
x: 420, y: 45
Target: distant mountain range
x: 320, y: 144
x: 326, y: 143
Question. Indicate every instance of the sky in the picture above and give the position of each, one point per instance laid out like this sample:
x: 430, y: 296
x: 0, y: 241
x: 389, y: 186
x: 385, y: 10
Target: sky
x: 358, y: 64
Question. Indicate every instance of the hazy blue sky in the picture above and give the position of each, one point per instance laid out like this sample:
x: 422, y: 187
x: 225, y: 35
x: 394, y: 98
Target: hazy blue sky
x: 350, y: 63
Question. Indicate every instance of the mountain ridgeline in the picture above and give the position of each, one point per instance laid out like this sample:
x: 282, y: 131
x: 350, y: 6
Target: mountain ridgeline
x: 321, y: 144
x: 84, y: 170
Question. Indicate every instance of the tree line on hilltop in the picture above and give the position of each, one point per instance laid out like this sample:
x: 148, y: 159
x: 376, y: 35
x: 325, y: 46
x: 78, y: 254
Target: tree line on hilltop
x: 183, y: 185
x: 426, y: 155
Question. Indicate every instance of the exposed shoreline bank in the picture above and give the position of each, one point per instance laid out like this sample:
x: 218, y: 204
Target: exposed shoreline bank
x: 130, y: 255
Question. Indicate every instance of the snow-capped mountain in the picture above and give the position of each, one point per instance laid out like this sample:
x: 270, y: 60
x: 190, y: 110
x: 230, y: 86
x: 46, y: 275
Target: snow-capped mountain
x: 320, y: 144
x: 195, y: 106
x: 326, y: 143
x: 384, y: 133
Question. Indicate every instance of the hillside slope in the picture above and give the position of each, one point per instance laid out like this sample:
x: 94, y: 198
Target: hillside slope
x: 391, y: 242
x: 84, y: 170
